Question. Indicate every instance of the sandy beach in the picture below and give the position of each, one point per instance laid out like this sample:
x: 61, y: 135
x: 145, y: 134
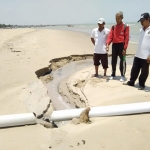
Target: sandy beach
x: 22, y: 53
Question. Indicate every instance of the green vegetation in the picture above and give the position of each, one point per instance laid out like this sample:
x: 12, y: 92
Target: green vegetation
x: 5, y: 26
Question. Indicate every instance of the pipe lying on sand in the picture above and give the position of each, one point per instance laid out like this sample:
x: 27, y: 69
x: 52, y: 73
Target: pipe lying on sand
x: 17, y: 120
x: 101, y: 111
x: 62, y: 115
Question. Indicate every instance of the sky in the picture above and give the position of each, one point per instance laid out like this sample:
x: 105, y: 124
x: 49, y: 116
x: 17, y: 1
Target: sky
x: 26, y: 12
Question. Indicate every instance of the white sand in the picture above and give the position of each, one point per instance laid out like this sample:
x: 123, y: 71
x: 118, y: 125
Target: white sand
x: 22, y: 52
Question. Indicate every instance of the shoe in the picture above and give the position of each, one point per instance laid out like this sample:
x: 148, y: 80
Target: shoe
x: 111, y: 77
x: 104, y: 77
x: 128, y: 83
x: 122, y: 79
x: 95, y: 75
x: 141, y: 88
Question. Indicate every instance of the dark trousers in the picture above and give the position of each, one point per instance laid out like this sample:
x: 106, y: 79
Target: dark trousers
x: 117, y: 49
x: 139, y: 65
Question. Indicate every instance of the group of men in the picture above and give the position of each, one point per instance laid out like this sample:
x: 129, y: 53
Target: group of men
x: 102, y: 37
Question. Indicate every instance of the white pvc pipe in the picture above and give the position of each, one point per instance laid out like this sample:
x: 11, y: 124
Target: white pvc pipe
x: 113, y: 110
x: 17, y: 120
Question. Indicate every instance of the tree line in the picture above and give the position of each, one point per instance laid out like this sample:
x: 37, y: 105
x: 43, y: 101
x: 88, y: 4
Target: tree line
x: 5, y: 26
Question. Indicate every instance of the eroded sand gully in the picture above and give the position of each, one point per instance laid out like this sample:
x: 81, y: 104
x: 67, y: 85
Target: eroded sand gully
x: 61, y: 94
x: 65, y: 90
x: 56, y: 73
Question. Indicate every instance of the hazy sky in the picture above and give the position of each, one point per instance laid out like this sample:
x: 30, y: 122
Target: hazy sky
x: 69, y: 11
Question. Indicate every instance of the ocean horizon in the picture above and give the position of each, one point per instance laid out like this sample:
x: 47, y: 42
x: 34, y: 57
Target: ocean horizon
x: 87, y: 28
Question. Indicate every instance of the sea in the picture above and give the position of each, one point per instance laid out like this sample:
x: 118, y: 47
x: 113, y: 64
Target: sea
x: 87, y: 28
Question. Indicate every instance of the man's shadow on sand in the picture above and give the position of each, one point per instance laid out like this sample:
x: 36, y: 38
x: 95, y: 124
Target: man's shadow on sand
x: 146, y: 89
x: 117, y: 78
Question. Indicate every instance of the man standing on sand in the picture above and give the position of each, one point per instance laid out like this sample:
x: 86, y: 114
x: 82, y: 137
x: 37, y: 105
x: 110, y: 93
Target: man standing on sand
x: 119, y: 36
x: 142, y: 56
x: 98, y: 38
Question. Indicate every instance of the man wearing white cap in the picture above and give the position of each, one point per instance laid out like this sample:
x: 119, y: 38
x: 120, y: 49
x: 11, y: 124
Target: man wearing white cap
x: 98, y: 38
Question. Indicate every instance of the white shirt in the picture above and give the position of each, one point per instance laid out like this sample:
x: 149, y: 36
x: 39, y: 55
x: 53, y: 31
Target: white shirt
x: 100, y: 40
x: 143, y: 50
